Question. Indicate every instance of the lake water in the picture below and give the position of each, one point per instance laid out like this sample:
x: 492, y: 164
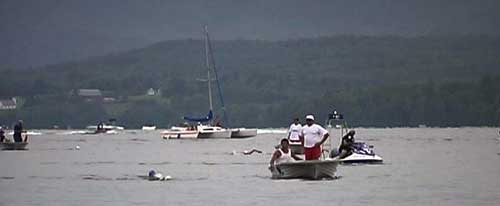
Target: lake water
x: 422, y: 166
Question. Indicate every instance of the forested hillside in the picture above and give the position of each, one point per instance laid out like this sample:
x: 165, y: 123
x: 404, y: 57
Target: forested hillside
x: 375, y: 81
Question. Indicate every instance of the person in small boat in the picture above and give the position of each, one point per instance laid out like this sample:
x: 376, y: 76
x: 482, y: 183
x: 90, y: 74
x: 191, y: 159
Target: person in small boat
x: 100, y: 127
x: 282, y: 154
x: 313, y: 136
x: 2, y: 134
x: 294, y: 131
x: 18, y: 130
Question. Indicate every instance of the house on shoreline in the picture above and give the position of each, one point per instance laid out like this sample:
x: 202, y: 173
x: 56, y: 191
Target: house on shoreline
x: 8, y: 104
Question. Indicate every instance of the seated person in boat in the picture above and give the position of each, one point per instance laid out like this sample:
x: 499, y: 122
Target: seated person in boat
x: 282, y: 154
x: 294, y: 131
x: 313, y: 136
x: 18, y: 129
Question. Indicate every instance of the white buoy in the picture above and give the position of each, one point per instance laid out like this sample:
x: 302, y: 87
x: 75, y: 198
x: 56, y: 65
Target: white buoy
x: 77, y: 147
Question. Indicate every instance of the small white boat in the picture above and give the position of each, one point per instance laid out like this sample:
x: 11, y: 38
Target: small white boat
x: 243, y: 132
x: 305, y: 169
x: 212, y: 132
x: 362, y: 153
x: 149, y: 127
x: 106, y: 127
x: 13, y: 145
x: 180, y: 133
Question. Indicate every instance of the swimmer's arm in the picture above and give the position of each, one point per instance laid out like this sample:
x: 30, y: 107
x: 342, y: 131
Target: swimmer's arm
x: 295, y: 157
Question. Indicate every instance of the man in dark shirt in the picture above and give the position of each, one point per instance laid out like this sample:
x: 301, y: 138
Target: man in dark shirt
x: 345, y: 148
x: 18, y: 129
x: 2, y: 134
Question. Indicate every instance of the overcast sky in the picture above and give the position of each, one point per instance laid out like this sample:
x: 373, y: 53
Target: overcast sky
x: 37, y: 32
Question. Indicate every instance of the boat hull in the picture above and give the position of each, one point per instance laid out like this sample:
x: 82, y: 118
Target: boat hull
x: 361, y: 158
x: 180, y: 134
x: 306, y: 169
x: 243, y: 133
x: 218, y: 134
x: 13, y: 145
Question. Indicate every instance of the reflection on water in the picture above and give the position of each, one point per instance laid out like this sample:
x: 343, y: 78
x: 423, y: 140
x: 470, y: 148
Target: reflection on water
x: 422, y: 166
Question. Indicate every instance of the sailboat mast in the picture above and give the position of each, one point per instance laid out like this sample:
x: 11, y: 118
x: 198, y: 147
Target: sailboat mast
x: 207, y: 63
x: 211, y: 61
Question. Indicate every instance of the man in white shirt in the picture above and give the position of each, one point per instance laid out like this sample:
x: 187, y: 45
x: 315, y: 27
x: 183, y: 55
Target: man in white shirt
x: 294, y: 131
x: 312, y: 136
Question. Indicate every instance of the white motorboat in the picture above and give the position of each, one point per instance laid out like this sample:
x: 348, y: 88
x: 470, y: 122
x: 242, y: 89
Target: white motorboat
x: 243, y: 132
x: 149, y: 127
x: 105, y: 127
x: 210, y: 132
x: 305, y: 169
x: 361, y: 152
x: 13, y: 145
x: 180, y: 133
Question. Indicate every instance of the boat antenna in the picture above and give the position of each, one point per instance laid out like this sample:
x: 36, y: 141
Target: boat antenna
x: 212, y: 59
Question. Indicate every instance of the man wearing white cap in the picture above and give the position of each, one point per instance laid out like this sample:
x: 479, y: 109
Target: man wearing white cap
x: 313, y: 136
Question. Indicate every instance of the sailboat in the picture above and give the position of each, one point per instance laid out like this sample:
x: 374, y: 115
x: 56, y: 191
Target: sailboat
x: 210, y: 61
x: 209, y: 130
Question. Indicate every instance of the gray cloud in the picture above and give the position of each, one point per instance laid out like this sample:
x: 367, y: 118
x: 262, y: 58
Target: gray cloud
x: 34, y: 32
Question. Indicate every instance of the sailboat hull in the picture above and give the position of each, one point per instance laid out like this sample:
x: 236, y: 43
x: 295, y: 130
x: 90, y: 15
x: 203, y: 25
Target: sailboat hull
x: 215, y: 134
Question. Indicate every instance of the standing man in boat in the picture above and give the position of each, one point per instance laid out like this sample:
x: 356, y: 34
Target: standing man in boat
x: 2, y: 135
x: 312, y: 137
x: 18, y: 130
x: 294, y: 131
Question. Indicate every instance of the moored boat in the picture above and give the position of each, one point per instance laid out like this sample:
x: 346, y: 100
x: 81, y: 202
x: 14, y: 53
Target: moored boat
x: 180, y: 133
x: 213, y: 132
x: 148, y: 127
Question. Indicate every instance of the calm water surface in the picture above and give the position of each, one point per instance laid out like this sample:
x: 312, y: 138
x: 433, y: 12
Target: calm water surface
x: 424, y: 166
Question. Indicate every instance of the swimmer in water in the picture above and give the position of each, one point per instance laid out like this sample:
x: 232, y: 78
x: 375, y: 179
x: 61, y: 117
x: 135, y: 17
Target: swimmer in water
x: 153, y: 175
x: 247, y: 152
